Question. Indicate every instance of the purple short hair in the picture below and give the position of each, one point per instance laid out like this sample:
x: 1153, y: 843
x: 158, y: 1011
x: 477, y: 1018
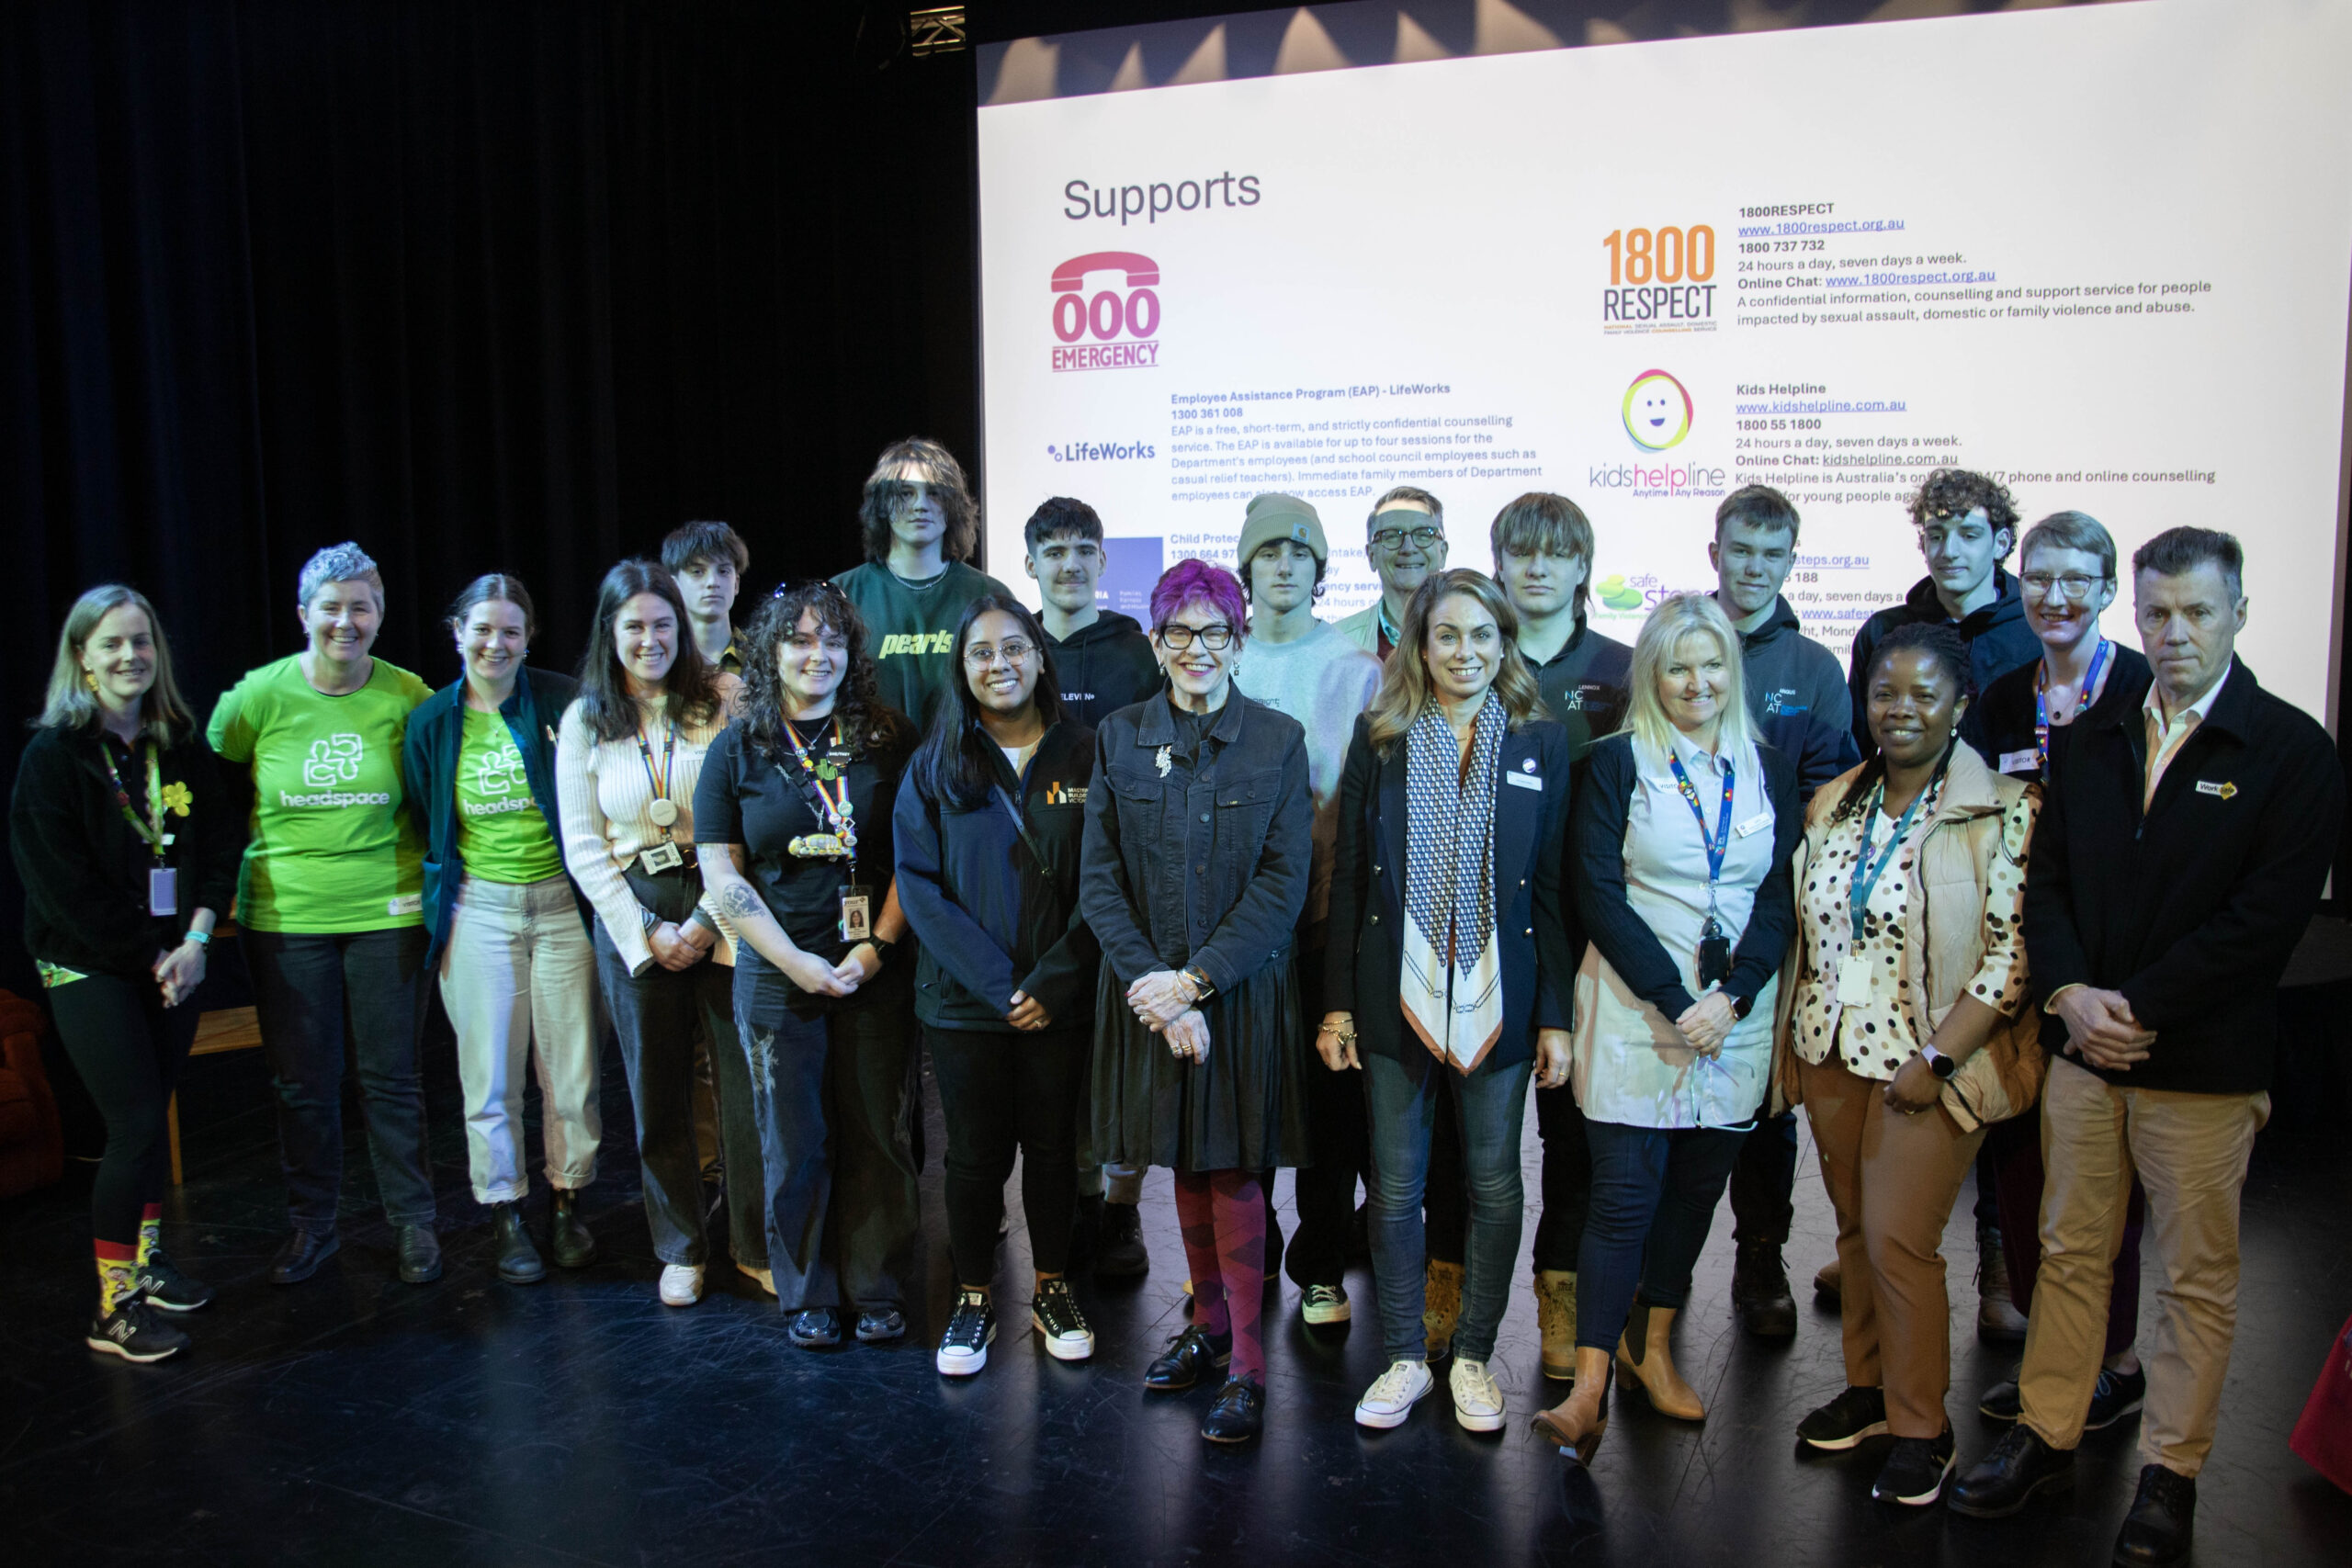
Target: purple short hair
x: 1190, y: 579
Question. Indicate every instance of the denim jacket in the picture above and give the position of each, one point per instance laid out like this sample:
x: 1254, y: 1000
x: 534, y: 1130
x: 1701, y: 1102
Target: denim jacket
x: 1207, y: 867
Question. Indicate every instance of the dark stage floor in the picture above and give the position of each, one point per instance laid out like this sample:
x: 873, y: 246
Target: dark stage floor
x: 356, y: 1420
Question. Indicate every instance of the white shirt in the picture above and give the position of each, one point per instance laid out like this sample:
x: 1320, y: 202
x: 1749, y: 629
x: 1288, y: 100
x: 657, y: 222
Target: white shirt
x: 2167, y: 737
x: 1631, y: 1063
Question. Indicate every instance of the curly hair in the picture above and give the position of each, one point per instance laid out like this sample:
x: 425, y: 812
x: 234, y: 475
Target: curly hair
x: 885, y: 492
x: 1956, y: 492
x: 873, y: 727
x: 1950, y: 650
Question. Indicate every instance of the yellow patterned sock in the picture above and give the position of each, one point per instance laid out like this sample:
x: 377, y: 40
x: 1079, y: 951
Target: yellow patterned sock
x: 118, y: 1275
x: 151, y: 1232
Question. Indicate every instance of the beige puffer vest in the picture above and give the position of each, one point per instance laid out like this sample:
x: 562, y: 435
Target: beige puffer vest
x: 1942, y: 944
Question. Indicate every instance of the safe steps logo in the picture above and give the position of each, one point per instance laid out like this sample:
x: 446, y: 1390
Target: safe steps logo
x: 1114, y: 328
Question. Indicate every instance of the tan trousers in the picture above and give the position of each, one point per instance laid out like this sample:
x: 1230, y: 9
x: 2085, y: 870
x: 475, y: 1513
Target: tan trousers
x: 1892, y: 1178
x: 2189, y: 1152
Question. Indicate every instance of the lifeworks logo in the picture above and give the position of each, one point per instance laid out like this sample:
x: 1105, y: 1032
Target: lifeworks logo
x: 1101, y: 451
x: 1124, y: 326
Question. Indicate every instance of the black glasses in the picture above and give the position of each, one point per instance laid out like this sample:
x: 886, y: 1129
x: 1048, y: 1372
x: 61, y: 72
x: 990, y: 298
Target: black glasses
x: 1391, y: 538
x: 1215, y: 637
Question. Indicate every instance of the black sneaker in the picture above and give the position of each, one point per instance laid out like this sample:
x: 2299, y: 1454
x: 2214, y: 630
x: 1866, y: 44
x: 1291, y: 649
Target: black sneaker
x: 1054, y: 1314
x: 2005, y: 1401
x: 2114, y: 1396
x: 1915, y: 1472
x: 816, y: 1329
x: 164, y: 1287
x: 1119, y: 1252
x: 135, y: 1334
x: 964, y: 1348
x: 1845, y: 1421
x: 881, y: 1325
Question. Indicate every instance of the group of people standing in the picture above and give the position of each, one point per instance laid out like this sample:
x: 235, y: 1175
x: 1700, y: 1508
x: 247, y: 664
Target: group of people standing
x: 1244, y: 890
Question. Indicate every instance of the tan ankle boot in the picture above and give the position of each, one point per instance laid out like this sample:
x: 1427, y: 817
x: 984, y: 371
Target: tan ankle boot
x: 1642, y: 1356
x: 1577, y: 1424
x: 1556, y: 1317
x: 1441, y: 1308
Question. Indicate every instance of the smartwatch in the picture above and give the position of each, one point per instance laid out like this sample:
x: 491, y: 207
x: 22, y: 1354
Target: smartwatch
x: 1943, y: 1066
x: 1742, y: 1006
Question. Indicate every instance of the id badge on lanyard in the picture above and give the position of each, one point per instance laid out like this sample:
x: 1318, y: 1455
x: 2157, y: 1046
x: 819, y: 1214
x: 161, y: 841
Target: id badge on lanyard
x: 857, y: 912
x: 164, y: 890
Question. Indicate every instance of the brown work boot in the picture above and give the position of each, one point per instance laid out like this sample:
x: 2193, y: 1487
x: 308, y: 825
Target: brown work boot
x: 1556, y: 1317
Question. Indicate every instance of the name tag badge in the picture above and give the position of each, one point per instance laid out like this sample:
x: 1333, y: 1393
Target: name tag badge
x: 856, y: 923
x: 663, y: 856
x: 1755, y: 824
x: 1856, y: 980
x: 2220, y: 789
x: 163, y: 890
x: 2025, y: 761
x: 408, y: 904
x: 1525, y: 780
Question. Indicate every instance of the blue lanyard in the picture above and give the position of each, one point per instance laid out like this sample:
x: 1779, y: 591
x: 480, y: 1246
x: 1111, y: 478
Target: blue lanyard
x: 2082, y: 700
x: 1866, y: 876
x: 1716, y: 846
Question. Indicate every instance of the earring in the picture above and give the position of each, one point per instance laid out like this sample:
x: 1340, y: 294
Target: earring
x: 90, y: 678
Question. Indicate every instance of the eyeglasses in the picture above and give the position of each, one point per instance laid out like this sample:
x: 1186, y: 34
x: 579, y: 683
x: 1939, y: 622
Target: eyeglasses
x: 1014, y: 654
x: 1393, y: 538
x: 1215, y: 637
x: 2072, y: 585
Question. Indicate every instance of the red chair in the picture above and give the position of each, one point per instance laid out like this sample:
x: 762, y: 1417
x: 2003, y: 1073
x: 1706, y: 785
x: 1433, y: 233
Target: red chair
x: 32, y: 1142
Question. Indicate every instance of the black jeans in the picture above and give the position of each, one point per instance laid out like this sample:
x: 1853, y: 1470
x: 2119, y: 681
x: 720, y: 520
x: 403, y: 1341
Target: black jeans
x: 657, y: 1016
x: 834, y: 1101
x: 1763, y: 1184
x: 1567, y: 1183
x: 312, y: 992
x: 997, y: 1090
x: 1339, y: 1131
x: 128, y: 1048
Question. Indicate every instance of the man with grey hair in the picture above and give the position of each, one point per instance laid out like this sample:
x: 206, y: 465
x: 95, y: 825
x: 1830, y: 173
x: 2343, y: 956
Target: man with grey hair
x: 2178, y: 858
x: 1405, y: 541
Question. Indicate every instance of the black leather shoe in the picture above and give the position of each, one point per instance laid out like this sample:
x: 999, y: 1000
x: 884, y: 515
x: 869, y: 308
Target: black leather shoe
x: 1239, y: 1415
x: 2162, y: 1522
x: 420, y: 1254
x: 1759, y: 1291
x: 1190, y: 1357
x: 573, y: 1247
x: 519, y: 1261
x: 815, y: 1328
x: 2005, y: 1479
x: 300, y: 1257
x: 879, y: 1326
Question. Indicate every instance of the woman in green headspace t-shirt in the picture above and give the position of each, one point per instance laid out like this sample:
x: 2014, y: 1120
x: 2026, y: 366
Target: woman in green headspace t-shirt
x: 509, y: 931
x: 331, y: 898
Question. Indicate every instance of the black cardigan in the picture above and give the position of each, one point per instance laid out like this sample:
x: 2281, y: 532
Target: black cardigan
x: 2000, y: 723
x: 84, y: 869
x: 1596, y: 871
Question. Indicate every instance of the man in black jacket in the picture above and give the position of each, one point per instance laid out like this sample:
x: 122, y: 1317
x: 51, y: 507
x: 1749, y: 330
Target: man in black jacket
x: 2178, y: 860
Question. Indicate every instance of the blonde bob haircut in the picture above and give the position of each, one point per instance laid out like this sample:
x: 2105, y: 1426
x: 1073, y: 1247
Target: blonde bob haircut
x: 71, y: 704
x: 1675, y: 621
x: 1405, y: 688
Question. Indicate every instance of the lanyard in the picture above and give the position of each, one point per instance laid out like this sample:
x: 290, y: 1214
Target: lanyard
x: 1866, y: 876
x: 2082, y: 700
x: 834, y: 801
x: 1716, y: 846
x: 662, y: 810
x: 154, y: 835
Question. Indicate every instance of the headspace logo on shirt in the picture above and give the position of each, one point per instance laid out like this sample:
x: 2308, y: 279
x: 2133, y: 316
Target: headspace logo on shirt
x: 915, y: 644
x: 1125, y: 327
x: 333, y: 761
x: 501, y: 772
x: 492, y: 808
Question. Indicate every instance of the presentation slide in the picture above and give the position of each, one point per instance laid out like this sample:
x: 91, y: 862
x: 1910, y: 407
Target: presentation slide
x: 2102, y: 254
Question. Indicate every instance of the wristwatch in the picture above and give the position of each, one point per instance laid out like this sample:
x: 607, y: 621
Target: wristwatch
x: 1943, y: 1066
x: 1203, y: 987
x: 1742, y: 1006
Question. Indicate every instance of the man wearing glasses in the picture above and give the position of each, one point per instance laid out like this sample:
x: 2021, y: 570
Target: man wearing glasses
x: 1967, y: 525
x: 1404, y: 539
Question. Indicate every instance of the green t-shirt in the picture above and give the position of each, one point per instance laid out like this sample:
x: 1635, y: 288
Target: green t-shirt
x: 331, y: 850
x: 910, y: 632
x: 502, y: 835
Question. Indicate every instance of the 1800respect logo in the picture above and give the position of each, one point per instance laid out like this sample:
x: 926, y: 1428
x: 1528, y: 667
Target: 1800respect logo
x: 1116, y: 327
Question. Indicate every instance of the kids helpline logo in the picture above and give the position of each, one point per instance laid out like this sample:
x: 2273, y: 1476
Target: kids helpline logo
x: 1115, y: 328
x: 1658, y: 415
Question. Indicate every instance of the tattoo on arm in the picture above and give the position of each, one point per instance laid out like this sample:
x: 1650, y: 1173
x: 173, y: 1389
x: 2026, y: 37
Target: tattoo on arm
x: 739, y: 902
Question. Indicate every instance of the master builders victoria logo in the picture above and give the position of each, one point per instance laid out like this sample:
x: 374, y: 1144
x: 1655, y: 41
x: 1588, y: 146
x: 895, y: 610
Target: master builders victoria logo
x: 1106, y: 312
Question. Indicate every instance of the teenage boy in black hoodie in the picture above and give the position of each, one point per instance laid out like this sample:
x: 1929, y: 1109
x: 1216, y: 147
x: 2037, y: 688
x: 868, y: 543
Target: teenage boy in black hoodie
x: 1106, y: 664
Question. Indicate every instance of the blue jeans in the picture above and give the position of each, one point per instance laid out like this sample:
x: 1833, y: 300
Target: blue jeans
x: 1490, y: 1106
x: 1654, y: 1194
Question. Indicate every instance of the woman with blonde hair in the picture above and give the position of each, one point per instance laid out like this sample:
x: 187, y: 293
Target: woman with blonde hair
x: 126, y: 846
x: 1679, y: 845
x: 1446, y: 896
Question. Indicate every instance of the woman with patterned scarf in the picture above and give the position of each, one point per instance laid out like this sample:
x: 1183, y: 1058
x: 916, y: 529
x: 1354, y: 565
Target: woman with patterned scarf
x: 1446, y: 894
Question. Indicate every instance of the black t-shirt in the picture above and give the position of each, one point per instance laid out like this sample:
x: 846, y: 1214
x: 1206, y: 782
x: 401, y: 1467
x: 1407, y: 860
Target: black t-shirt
x: 747, y: 799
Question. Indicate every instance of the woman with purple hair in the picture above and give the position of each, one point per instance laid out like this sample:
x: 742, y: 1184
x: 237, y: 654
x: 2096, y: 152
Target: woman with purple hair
x: 1197, y: 828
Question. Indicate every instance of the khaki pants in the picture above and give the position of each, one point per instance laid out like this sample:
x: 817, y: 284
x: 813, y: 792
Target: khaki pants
x: 1892, y: 1178
x: 2189, y: 1152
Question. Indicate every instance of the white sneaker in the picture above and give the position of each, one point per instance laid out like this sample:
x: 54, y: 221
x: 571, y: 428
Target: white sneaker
x: 1324, y: 1303
x: 1390, y: 1399
x: 1478, y: 1397
x: 681, y: 1284
x: 764, y: 1278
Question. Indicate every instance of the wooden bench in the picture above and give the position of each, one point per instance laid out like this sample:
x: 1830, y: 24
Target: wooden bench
x: 222, y: 1030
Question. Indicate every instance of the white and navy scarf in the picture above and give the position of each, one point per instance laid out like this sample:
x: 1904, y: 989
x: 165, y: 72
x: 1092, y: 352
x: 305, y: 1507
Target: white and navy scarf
x: 1453, y: 977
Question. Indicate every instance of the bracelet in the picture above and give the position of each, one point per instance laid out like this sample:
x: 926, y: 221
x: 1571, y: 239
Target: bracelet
x: 202, y: 939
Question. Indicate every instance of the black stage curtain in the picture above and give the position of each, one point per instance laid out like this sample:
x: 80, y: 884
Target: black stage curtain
x: 514, y: 286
